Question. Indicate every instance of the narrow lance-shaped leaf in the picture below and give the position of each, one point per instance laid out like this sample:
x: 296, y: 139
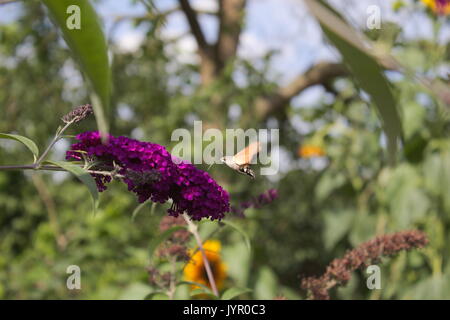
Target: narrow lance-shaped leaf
x: 138, y: 209
x: 365, y: 67
x: 26, y: 141
x: 234, y: 292
x: 82, y: 175
x: 82, y: 31
x: 240, y: 230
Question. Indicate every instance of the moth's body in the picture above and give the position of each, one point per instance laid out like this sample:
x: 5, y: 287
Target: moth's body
x: 244, y: 169
x: 240, y: 162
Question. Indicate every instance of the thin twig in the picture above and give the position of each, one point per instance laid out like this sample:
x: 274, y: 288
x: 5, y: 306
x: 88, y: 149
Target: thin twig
x: 56, y: 168
x: 192, y: 227
x: 172, y: 284
x: 220, y: 228
x: 194, y: 24
x: 55, y: 139
x: 7, y: 1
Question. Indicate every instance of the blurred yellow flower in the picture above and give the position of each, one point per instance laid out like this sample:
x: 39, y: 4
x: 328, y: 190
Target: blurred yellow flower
x: 441, y: 7
x: 195, y: 270
x: 309, y: 151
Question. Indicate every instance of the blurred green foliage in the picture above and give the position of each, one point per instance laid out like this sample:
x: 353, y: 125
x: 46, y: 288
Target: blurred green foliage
x: 321, y: 212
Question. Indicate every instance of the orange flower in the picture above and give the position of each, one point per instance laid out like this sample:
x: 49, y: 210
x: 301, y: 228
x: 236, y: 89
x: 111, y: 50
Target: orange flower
x: 440, y: 7
x: 309, y: 151
x: 195, y: 270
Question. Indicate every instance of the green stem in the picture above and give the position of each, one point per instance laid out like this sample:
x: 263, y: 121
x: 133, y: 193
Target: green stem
x: 172, y: 284
x: 55, y: 139
x: 56, y: 168
x: 192, y: 227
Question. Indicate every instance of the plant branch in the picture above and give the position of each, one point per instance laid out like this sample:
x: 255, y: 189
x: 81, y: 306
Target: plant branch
x: 7, y: 1
x: 194, y: 25
x: 152, y: 15
x: 55, y: 139
x: 148, y: 15
x: 231, y: 14
x: 208, y: 58
x: 192, y: 227
x: 56, y: 168
x: 321, y: 73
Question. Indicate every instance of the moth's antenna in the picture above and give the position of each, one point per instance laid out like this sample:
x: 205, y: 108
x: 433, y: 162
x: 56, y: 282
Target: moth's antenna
x: 210, y: 166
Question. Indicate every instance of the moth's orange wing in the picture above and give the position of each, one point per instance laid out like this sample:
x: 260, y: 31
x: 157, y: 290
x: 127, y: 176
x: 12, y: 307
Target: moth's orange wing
x: 246, y: 155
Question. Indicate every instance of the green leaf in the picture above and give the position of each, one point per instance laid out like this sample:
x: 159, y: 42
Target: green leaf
x: 98, y: 106
x: 155, y: 242
x: 157, y: 295
x: 337, y: 224
x: 437, y: 175
x: 366, y: 69
x: 135, y: 291
x: 363, y: 228
x: 89, y: 47
x: 239, y: 270
x: 436, y: 287
x: 82, y: 175
x: 202, y: 289
x: 139, y: 208
x: 26, y: 141
x: 329, y: 182
x: 406, y: 199
x: 241, y: 231
x: 234, y: 292
x: 266, y: 285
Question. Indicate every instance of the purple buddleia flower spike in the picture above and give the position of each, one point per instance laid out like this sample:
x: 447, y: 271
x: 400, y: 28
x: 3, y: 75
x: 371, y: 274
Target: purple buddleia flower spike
x: 149, y: 171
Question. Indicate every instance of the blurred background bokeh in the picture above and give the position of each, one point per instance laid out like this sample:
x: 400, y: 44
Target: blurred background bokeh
x: 335, y: 187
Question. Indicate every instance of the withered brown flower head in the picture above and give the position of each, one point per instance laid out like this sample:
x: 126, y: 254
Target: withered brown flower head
x: 175, y: 246
x: 173, y: 249
x: 339, y: 271
x: 141, y: 178
x: 179, y: 236
x: 156, y: 278
x: 78, y: 114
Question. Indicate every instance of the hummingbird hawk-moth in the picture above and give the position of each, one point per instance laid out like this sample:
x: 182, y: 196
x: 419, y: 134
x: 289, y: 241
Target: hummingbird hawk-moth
x: 240, y: 162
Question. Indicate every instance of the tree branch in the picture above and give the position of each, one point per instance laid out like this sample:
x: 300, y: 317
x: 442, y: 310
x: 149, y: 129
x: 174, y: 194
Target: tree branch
x: 208, y: 63
x: 194, y: 25
x: 320, y: 73
x: 231, y: 13
x: 146, y: 16
x: 7, y: 1
x: 152, y: 15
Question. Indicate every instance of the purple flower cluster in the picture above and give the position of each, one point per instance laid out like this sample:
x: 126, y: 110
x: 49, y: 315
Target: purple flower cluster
x: 198, y: 194
x: 150, y: 172
x: 256, y: 202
